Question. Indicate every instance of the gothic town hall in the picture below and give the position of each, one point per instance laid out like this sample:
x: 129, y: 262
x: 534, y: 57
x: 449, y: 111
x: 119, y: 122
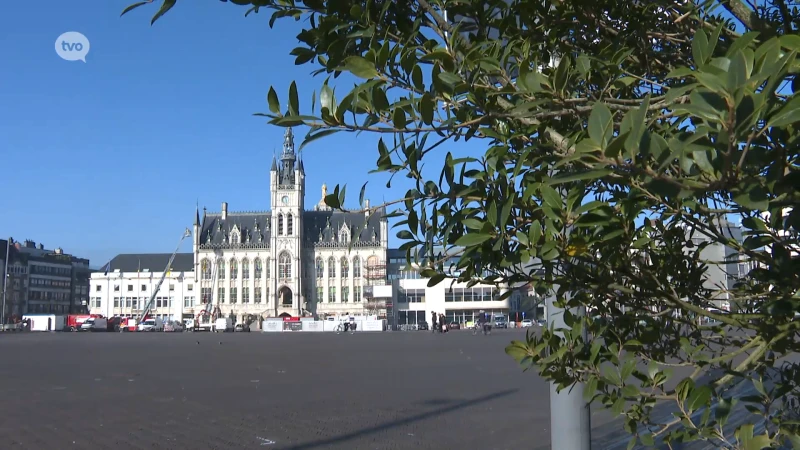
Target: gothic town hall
x: 288, y: 261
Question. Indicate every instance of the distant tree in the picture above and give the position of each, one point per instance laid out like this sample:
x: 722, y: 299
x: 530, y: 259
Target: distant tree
x: 615, y: 132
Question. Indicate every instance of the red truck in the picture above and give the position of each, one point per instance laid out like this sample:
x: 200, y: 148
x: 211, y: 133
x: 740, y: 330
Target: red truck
x: 74, y: 321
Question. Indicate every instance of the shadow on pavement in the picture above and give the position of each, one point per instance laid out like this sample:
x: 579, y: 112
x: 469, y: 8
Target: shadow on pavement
x: 321, y: 443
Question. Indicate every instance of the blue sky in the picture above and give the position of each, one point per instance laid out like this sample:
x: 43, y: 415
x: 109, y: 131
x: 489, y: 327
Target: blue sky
x: 110, y: 156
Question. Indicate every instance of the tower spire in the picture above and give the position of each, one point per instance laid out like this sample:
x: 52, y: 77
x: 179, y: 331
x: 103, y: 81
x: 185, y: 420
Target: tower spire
x: 197, y: 213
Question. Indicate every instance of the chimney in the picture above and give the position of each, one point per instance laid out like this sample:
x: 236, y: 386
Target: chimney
x: 59, y: 251
x: 41, y: 246
x: 224, y: 210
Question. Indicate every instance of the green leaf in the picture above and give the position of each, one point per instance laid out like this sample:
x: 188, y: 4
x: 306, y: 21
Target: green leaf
x: 416, y: 78
x: 758, y: 443
x: 294, y: 103
x: 535, y: 232
x: 562, y: 74
x: 426, y: 106
x: 737, y: 72
x: 449, y: 78
x: 722, y: 411
x: 472, y: 239
x: 360, y: 67
x: 700, y: 48
x: 313, y: 137
x: 788, y: 114
x: 551, y: 198
x: 399, y: 118
x: 473, y: 224
x: 326, y: 99
x: 755, y: 198
x: 166, y: 6
x: 583, y: 64
x: 379, y: 101
x: 274, y: 103
x: 588, y: 175
x: 699, y: 398
x: 600, y: 124
x: 129, y: 8
x: 436, y: 279
x: 517, y: 350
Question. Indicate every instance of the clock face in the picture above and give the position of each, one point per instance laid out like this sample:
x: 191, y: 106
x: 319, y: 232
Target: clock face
x: 285, y: 199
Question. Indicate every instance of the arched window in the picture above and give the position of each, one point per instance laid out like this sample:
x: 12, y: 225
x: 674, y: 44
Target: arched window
x: 205, y: 268
x: 284, y: 266
x: 331, y: 267
x: 356, y: 267
x: 289, y: 224
x: 258, y: 268
x: 268, y: 268
x: 344, y: 235
x: 234, y: 269
x: 280, y: 224
x: 320, y: 266
x: 221, y: 269
x: 345, y: 268
x: 245, y: 269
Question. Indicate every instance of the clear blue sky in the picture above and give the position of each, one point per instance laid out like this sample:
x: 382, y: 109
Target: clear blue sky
x: 111, y: 155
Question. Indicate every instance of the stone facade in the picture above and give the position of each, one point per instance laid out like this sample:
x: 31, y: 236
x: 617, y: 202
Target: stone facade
x: 288, y: 261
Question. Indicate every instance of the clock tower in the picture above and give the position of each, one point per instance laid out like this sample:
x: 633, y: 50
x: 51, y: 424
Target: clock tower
x: 287, y: 187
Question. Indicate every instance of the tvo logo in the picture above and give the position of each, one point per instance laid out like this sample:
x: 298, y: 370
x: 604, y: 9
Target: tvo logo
x: 72, y: 46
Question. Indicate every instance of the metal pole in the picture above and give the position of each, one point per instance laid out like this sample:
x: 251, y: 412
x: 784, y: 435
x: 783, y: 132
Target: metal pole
x: 5, y: 282
x: 570, y: 419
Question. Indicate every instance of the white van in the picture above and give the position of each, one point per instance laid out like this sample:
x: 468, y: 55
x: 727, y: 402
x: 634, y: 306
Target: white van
x: 94, y: 324
x: 223, y: 324
x: 151, y: 325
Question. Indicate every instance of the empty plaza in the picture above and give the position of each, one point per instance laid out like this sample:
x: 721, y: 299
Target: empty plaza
x: 276, y: 390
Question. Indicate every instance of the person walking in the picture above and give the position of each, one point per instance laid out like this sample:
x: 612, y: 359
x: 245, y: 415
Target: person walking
x: 433, y: 321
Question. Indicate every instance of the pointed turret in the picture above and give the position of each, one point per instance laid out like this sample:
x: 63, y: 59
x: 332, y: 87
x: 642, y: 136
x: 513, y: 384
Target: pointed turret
x: 197, y: 215
x: 288, y: 159
x: 274, y: 164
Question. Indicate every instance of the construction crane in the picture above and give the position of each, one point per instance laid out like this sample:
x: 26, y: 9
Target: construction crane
x: 149, y: 305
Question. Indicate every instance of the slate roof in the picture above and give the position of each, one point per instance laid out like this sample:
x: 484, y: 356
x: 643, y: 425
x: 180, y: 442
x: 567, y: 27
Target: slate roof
x: 253, y: 229
x: 153, y: 262
x: 322, y: 228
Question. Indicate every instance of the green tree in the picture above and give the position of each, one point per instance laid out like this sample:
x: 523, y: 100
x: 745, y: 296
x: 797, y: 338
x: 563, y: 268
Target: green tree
x: 615, y: 132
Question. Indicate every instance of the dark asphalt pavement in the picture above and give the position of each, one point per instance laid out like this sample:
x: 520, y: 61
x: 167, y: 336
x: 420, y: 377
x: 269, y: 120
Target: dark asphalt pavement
x: 399, y: 390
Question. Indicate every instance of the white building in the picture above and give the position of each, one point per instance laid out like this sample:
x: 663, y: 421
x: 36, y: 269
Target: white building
x: 131, y: 279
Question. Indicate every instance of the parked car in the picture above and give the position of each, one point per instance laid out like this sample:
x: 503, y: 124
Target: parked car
x: 454, y: 326
x: 422, y: 326
x: 241, y: 327
x: 541, y: 322
x: 500, y: 322
x: 526, y: 323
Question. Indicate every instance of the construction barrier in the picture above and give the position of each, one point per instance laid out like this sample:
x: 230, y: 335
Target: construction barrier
x: 312, y: 325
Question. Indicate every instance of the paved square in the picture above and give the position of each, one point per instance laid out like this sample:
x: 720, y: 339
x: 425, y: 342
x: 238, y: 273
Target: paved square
x: 397, y: 390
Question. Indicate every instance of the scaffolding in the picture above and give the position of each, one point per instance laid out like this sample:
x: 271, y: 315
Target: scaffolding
x: 375, y: 276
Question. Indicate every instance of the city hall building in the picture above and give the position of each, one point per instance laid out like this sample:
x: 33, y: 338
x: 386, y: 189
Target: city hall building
x: 287, y: 261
